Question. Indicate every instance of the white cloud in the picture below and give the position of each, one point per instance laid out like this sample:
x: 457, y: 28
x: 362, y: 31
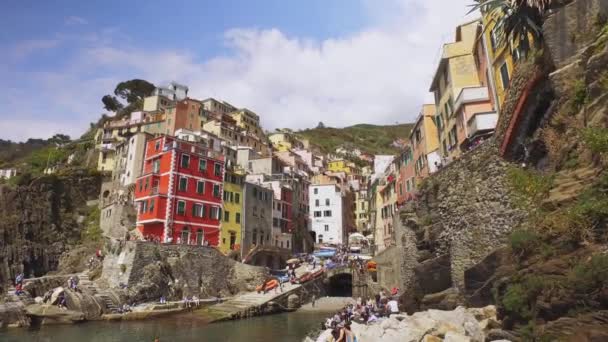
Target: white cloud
x: 27, y: 47
x: 380, y: 74
x: 75, y: 20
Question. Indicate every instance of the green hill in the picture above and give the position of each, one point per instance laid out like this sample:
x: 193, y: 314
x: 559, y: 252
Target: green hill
x: 368, y: 138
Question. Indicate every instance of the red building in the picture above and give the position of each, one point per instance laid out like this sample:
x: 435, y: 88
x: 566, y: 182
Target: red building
x: 179, y: 195
x: 406, y: 185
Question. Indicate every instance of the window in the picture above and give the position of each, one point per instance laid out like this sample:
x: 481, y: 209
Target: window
x: 316, y: 203
x: 197, y: 210
x: 237, y: 217
x: 275, y: 222
x: 151, y: 209
x: 202, y: 165
x: 218, y: 170
x: 504, y: 75
x: 326, y: 227
x: 157, y: 145
x: 226, y: 216
x: 494, y: 39
x: 255, y: 211
x: 327, y: 201
x: 237, y: 198
x: 181, y: 207
x: 216, y: 191
x: 320, y: 238
x: 156, y: 166
x: 255, y: 192
x: 262, y: 212
x: 144, y: 207
x: 317, y: 214
x: 141, y: 185
x: 327, y: 213
x: 215, y: 213
x: 183, y: 184
x: 316, y: 191
x: 200, y: 187
x: 185, y: 161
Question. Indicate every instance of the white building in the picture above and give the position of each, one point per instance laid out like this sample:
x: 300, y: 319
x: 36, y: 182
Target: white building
x: 8, y: 173
x: 131, y: 158
x: 326, y: 203
x: 381, y: 162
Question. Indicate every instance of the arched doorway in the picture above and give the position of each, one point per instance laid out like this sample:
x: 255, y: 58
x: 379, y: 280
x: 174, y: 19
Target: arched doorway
x: 340, y: 285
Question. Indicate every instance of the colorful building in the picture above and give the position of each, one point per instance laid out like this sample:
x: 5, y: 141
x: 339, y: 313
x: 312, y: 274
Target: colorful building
x: 503, y: 55
x: 256, y: 229
x: 406, y: 178
x: 186, y: 114
x: 456, y: 70
x: 179, y: 195
x: 342, y: 165
x: 425, y: 143
x: 230, y: 231
x: 284, y: 141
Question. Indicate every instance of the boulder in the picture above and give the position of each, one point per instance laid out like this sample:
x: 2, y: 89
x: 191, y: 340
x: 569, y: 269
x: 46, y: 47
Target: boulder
x: 293, y: 301
x: 444, y: 300
x: 481, y: 278
x: 431, y: 338
x: 55, y: 295
x: 51, y: 314
x: 451, y: 336
x: 434, y: 275
x: 38, y: 300
x: 90, y: 306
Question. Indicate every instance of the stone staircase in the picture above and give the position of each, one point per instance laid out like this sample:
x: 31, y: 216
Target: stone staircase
x: 103, y: 296
x: 244, y: 305
x: 568, y: 185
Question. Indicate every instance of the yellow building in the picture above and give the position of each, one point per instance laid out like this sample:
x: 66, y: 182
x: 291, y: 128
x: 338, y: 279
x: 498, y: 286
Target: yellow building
x: 230, y: 231
x: 456, y: 70
x: 284, y: 141
x: 250, y: 131
x: 362, y: 210
x: 424, y: 139
x: 341, y: 165
x: 503, y: 55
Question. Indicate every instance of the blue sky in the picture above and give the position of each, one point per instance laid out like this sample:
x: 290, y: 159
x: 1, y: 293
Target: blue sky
x: 293, y: 62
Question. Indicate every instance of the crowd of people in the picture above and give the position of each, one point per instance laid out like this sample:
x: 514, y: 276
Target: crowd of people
x: 364, y: 311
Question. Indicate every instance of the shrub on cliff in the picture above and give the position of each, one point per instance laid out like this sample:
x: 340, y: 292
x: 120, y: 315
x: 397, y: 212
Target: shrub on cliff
x: 587, y: 277
x: 528, y: 186
x: 596, y: 139
x: 524, y: 242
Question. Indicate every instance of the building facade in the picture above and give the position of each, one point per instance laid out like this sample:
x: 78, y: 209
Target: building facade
x: 326, y: 205
x: 179, y: 195
x: 456, y: 70
x: 256, y: 229
x: 425, y: 143
x: 231, y: 227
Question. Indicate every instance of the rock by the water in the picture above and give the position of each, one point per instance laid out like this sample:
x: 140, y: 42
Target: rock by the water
x: 459, y: 325
x: 293, y: 301
x: 51, y: 314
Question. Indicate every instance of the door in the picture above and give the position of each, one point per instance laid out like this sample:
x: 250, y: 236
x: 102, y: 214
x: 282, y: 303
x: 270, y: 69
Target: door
x: 200, y: 237
x: 232, y: 240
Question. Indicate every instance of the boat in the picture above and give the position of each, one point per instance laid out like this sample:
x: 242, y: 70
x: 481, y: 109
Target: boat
x: 317, y: 274
x: 267, y: 286
x: 304, y: 278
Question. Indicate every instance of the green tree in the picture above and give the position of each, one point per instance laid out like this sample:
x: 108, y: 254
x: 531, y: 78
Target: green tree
x: 134, y: 90
x: 111, y: 103
x: 59, y: 139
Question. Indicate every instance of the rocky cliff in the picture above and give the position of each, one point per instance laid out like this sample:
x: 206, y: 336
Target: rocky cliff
x: 42, y: 220
x: 521, y: 222
x: 150, y: 270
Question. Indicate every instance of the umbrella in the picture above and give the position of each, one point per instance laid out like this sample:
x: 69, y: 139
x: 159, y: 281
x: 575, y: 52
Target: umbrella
x: 356, y: 237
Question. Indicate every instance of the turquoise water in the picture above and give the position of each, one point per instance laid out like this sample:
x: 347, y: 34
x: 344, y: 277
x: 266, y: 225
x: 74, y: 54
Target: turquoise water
x: 286, y: 327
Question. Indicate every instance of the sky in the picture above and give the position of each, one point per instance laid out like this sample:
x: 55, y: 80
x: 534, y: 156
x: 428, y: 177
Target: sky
x: 293, y: 62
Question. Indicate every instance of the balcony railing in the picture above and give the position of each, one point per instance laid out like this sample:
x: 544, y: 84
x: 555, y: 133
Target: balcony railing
x: 482, y: 122
x: 472, y: 94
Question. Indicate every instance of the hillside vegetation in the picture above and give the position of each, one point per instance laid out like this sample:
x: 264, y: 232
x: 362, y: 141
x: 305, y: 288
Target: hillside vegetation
x: 368, y: 138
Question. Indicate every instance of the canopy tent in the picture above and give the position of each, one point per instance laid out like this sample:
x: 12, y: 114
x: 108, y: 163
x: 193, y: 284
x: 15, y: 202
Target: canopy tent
x: 356, y: 237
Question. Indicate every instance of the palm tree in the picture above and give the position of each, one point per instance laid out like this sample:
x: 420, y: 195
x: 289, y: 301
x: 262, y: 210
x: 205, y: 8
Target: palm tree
x: 516, y: 19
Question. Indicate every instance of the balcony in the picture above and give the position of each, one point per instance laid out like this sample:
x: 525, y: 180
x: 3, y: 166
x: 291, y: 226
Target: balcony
x: 481, y: 123
x: 469, y: 95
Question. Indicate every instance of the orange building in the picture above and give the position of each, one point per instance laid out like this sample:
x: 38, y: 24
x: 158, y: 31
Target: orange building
x: 186, y: 113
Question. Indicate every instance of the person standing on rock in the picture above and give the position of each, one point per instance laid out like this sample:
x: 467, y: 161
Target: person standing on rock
x: 392, y: 307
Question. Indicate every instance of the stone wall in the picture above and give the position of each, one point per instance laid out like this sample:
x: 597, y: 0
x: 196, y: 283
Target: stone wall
x: 462, y: 214
x: 567, y: 30
x: 151, y: 270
